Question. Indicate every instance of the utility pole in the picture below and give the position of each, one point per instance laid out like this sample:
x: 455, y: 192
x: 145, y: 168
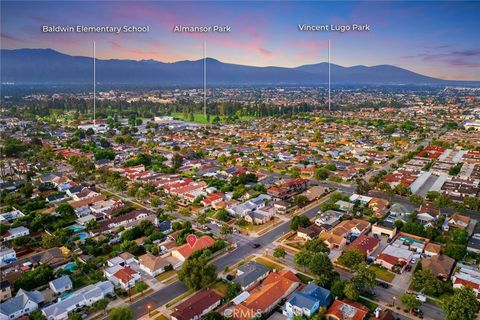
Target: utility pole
x: 94, y: 87
x: 329, y: 108
x: 205, y: 78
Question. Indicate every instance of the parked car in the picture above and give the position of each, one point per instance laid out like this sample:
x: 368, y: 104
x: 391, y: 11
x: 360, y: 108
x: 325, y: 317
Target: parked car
x: 255, y: 245
x: 408, y: 268
x: 413, y: 261
x: 417, y: 312
x: 383, y: 284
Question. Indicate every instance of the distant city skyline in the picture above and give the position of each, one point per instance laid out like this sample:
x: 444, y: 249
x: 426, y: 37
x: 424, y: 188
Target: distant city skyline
x: 438, y: 39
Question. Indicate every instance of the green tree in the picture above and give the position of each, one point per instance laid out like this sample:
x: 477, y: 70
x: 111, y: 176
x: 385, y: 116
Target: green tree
x: 300, y: 200
x: 363, y: 277
x: 462, y: 305
x: 233, y: 289
x: 74, y: 316
x: 121, y: 313
x: 337, y: 288
x: 351, y: 257
x: 141, y: 286
x: 321, y: 174
x: 425, y: 281
x: 65, y: 209
x: 101, y: 305
x: 197, y: 273
x: 316, y: 245
x: 351, y: 291
x: 302, y: 258
x: 299, y: 221
x: 410, y: 301
x: 415, y: 199
x: 279, y: 252
x: 321, y: 266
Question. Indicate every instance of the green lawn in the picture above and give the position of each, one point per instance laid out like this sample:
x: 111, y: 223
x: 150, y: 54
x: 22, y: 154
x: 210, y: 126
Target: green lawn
x: 269, y: 264
x: 370, y: 305
x: 220, y: 288
x: 382, y: 273
x: 304, y: 278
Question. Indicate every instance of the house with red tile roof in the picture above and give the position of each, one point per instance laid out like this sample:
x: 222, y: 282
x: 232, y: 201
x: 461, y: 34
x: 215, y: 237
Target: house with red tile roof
x: 197, y: 305
x: 265, y: 297
x: 183, y: 252
x: 347, y: 310
x: 365, y: 244
x: 123, y: 277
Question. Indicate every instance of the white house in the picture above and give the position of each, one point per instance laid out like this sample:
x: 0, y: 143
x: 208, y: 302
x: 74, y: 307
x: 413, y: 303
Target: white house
x: 86, y: 296
x: 23, y: 303
x: 124, y: 277
x: 7, y: 255
x: 61, y: 284
x: 15, y: 233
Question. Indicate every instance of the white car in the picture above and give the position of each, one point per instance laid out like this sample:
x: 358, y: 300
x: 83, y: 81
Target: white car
x: 413, y: 261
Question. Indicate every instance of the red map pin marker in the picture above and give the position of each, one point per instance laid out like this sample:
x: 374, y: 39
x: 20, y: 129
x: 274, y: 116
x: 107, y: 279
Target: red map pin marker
x: 191, y: 239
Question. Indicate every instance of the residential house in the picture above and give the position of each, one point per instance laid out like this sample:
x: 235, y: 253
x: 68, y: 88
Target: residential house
x: 184, y: 251
x: 457, y: 221
x: 427, y: 213
x: 432, y: 249
x: 346, y: 310
x: 344, y: 206
x: 308, y: 301
x: 329, y: 217
x: 154, y: 265
x: 86, y: 296
x: 123, y: 277
x: 336, y: 238
x: 53, y: 257
x: 11, y: 216
x: 265, y: 297
x: 466, y: 276
x: 315, y: 192
x: 7, y: 255
x: 23, y: 303
x: 440, y: 265
x: 261, y: 215
x: 250, y: 273
x: 365, y: 244
x: 384, y: 228
x: 242, y: 209
x: 310, y: 232
x: 197, y: 306
x: 5, y: 290
x: 379, y: 207
x: 61, y: 285
x: 394, y: 258
x: 15, y: 233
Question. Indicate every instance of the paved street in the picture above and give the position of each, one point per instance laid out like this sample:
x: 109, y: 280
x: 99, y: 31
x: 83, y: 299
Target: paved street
x: 168, y: 293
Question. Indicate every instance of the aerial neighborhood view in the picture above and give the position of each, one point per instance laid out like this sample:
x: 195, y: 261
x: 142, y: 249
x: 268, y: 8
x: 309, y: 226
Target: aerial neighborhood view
x: 240, y: 160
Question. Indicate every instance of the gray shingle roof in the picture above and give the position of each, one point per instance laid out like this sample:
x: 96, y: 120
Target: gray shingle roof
x: 252, y: 271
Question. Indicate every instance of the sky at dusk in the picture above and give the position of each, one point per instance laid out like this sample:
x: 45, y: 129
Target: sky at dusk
x: 439, y: 39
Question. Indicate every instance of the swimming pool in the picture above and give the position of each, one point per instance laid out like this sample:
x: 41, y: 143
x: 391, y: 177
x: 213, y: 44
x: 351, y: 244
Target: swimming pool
x: 76, y: 228
x: 70, y: 266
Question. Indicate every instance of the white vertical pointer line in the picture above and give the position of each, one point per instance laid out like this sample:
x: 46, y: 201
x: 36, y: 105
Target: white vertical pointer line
x: 94, y: 86
x: 205, y: 78
x: 328, y: 74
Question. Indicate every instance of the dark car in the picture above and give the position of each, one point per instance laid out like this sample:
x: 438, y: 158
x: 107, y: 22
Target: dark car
x: 255, y: 245
x: 408, y: 268
x: 230, y: 277
x: 383, y: 285
x: 417, y: 312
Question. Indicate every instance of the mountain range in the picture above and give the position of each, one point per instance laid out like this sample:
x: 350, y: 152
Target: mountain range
x: 47, y: 66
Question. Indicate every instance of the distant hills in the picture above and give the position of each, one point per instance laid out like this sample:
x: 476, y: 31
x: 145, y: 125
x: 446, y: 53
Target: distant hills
x: 47, y: 66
